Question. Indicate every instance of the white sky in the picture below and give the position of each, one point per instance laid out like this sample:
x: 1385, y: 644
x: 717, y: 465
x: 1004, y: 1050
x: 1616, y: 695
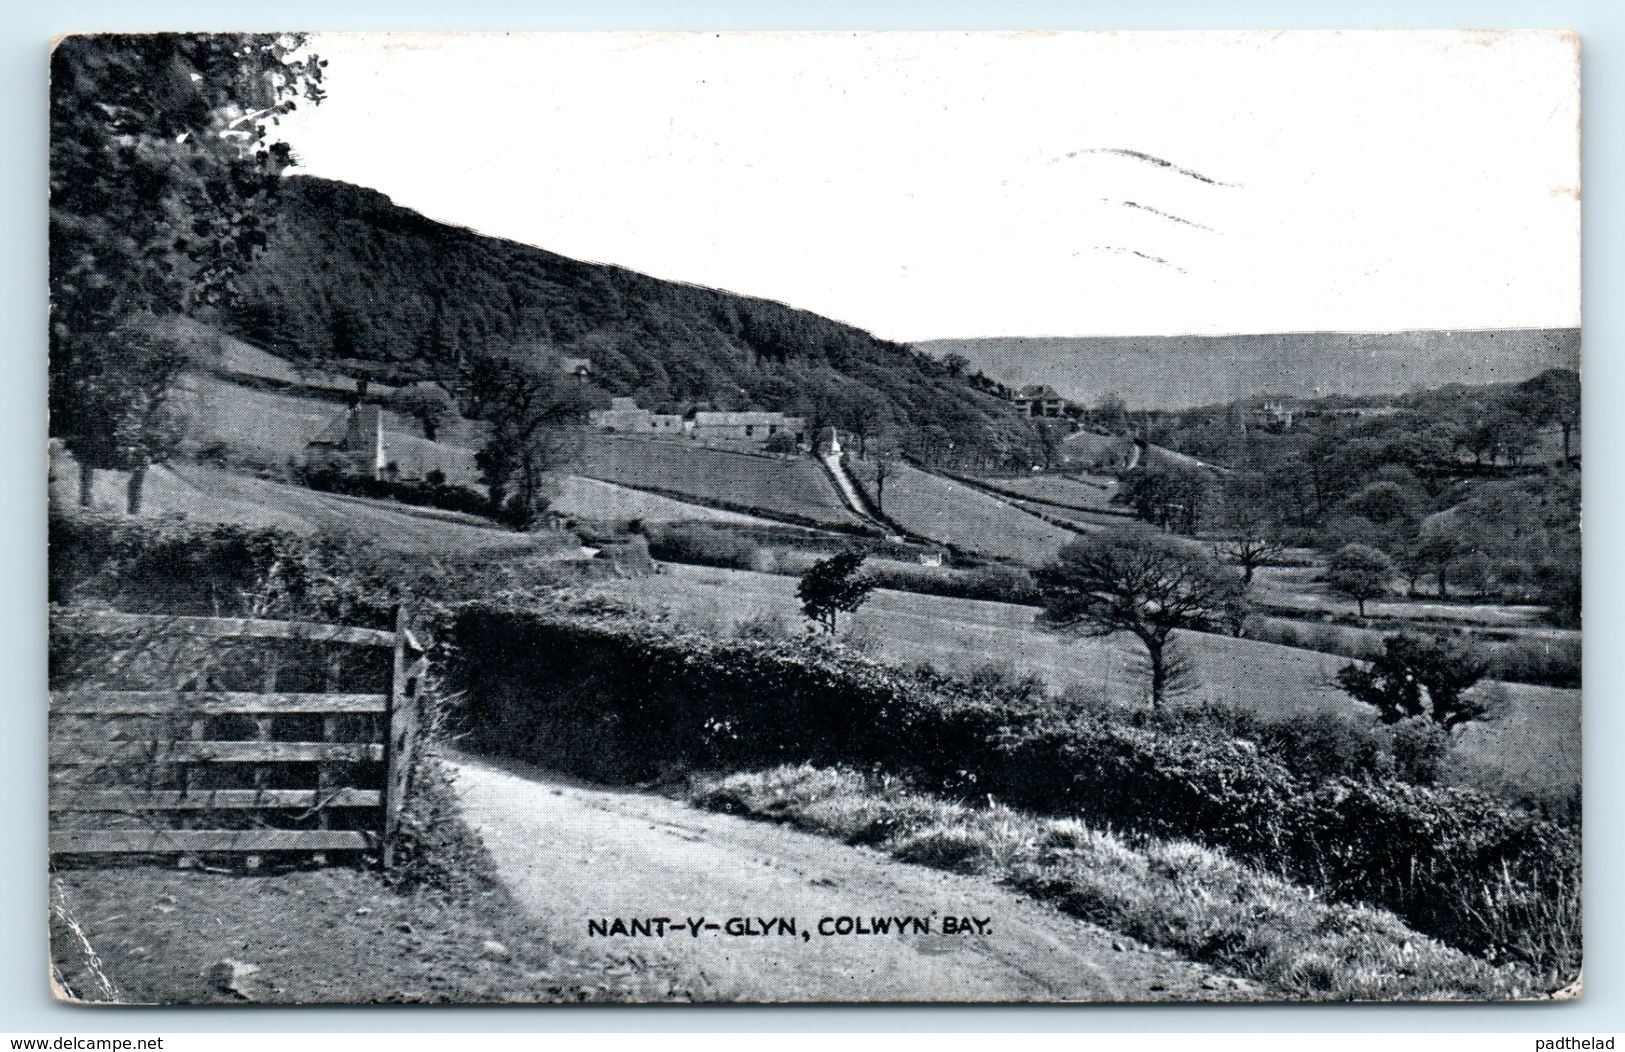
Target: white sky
x: 935, y: 184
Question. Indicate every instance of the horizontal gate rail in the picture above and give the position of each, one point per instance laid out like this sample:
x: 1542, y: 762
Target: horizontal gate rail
x: 210, y: 703
x: 210, y: 799
x: 165, y: 841
x: 111, y: 623
x: 86, y: 753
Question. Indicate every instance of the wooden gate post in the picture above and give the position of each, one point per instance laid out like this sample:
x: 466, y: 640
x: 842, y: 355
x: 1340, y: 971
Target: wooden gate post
x: 405, y: 677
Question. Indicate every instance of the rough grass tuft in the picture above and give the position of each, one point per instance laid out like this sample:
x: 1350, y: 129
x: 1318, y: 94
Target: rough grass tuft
x: 1168, y: 893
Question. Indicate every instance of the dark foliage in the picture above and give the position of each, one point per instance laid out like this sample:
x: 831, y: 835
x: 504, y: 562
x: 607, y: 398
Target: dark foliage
x: 162, y: 170
x: 832, y: 587
x: 427, y: 493
x: 426, y: 299
x: 1417, y: 677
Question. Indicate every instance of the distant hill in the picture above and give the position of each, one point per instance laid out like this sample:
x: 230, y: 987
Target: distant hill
x: 348, y: 274
x: 1178, y: 372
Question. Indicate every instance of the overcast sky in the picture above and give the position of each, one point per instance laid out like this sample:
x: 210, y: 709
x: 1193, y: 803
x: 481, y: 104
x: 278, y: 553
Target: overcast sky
x: 924, y: 185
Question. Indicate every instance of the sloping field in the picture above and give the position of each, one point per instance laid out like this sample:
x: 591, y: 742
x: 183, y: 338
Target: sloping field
x: 1089, y: 449
x: 950, y: 512
x: 1534, y: 747
x: 210, y: 494
x: 1300, y: 588
x: 1061, y: 490
x: 795, y: 488
x: 605, y: 501
x: 274, y: 427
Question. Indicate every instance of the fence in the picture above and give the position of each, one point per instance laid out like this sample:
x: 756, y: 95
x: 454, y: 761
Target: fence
x: 168, y: 774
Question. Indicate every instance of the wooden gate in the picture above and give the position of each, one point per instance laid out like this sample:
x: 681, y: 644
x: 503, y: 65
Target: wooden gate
x: 163, y: 789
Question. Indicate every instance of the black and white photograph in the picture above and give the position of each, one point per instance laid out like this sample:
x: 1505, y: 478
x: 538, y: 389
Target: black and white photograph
x: 809, y: 517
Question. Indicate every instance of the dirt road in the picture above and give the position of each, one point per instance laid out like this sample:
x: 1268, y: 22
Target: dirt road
x: 574, y: 854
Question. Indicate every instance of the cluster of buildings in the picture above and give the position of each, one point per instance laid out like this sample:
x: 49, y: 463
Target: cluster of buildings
x: 1040, y: 400
x: 625, y: 416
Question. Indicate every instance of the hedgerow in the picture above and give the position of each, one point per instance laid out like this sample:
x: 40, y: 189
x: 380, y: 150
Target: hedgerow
x: 616, y: 699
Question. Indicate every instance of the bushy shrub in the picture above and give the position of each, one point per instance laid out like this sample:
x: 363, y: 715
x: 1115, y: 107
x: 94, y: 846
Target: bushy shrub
x: 173, y: 566
x: 703, y: 545
x: 1549, y: 662
x: 428, y: 493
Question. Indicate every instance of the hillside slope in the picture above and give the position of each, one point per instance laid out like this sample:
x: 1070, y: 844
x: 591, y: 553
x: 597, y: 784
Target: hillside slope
x: 348, y: 274
x: 1178, y: 372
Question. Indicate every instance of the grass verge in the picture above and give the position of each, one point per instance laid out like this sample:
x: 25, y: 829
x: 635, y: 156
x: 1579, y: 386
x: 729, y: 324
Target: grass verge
x: 155, y: 934
x: 1168, y: 893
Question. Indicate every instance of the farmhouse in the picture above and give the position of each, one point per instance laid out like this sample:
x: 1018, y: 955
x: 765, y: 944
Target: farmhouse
x: 625, y: 416
x: 1040, y: 400
x: 579, y: 368
x: 747, y: 426
x: 352, y: 444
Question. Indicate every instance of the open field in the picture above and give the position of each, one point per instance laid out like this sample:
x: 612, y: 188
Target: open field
x: 583, y: 498
x: 794, y: 487
x: 273, y: 428
x: 953, y: 513
x: 1297, y: 588
x: 210, y: 494
x: 1093, y: 493
x: 1534, y: 747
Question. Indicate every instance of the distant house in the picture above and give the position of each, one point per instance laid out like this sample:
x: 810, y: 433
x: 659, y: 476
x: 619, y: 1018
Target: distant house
x: 1271, y: 416
x: 1040, y: 400
x: 579, y: 368
x: 747, y: 426
x: 624, y: 416
x: 352, y: 443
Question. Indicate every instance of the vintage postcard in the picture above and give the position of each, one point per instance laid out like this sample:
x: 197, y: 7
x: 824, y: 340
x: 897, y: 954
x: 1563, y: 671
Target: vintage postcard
x: 815, y: 517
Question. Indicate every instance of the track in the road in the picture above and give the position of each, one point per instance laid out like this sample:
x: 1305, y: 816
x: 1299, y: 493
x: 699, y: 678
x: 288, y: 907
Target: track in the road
x: 572, y: 852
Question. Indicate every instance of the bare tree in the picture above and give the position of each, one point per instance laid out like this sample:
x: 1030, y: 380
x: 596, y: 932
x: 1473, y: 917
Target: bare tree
x: 885, y: 468
x: 1144, y: 584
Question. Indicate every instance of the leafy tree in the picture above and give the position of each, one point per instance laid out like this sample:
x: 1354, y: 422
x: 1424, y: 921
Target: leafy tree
x: 1143, y: 584
x: 1111, y: 413
x: 1051, y: 436
x: 1476, y: 573
x: 1384, y: 503
x: 1553, y: 397
x: 428, y: 403
x: 146, y: 400
x: 1360, y: 572
x: 1558, y: 581
x: 1439, y: 546
x: 161, y: 180
x: 534, y: 414
x: 1417, y: 677
x: 885, y: 468
x: 833, y: 586
x: 1170, y: 496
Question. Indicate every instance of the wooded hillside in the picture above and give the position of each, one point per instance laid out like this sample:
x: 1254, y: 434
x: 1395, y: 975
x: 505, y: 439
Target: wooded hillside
x: 348, y: 274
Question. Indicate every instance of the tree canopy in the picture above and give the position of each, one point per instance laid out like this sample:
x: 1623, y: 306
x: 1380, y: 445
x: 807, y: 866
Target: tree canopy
x: 161, y: 175
x: 832, y: 587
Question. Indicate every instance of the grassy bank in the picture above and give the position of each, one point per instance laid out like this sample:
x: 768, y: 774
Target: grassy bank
x: 1168, y: 893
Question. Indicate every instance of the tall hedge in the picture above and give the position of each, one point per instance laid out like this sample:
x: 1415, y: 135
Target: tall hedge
x: 621, y: 700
